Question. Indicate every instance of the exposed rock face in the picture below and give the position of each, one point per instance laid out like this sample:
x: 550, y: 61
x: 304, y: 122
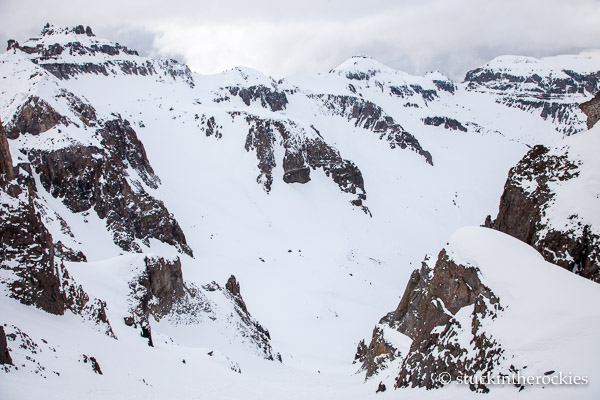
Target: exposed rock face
x: 269, y: 98
x: 6, y: 167
x: 159, y: 291
x: 80, y: 303
x: 35, y: 116
x: 93, y: 362
x: 538, y: 93
x: 259, y: 335
x: 377, y: 356
x: 155, y: 292
x: 144, y: 68
x: 448, y: 123
x: 370, y: 116
x: 407, y: 91
x: 38, y: 278
x: 303, y: 151
x: 210, y: 127
x: 86, y: 177
x: 28, y: 251
x: 426, y: 314
x: 528, y: 193
x: 233, y: 287
x: 65, y: 253
x: 592, y: 110
x: 261, y: 138
x: 4, y: 353
x: 445, y: 85
x: 573, y: 83
x: 114, y: 58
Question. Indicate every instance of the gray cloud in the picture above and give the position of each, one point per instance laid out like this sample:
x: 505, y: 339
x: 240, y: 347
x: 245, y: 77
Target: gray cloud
x: 281, y: 38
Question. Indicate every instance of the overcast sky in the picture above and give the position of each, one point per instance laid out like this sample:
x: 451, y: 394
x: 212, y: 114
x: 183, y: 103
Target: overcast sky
x: 281, y: 38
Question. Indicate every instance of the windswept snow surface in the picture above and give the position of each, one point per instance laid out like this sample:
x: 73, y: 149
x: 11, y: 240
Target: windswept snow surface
x: 576, y: 202
x: 315, y: 271
x: 550, y: 320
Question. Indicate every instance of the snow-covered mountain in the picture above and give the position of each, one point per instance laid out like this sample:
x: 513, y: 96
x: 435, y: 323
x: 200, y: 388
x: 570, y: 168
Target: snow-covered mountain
x: 464, y: 317
x: 133, y: 189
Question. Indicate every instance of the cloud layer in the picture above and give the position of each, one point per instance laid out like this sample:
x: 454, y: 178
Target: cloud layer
x: 282, y: 38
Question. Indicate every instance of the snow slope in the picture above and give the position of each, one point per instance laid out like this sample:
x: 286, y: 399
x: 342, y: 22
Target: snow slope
x: 549, y: 321
x: 314, y: 270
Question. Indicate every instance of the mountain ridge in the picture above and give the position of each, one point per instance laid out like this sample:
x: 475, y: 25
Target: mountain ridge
x: 319, y: 193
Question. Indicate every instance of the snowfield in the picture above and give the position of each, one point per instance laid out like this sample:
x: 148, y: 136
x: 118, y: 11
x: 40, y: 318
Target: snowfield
x: 314, y: 270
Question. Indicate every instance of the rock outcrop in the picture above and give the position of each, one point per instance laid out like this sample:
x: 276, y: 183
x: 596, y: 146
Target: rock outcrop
x: 88, y: 176
x: 102, y: 57
x: 4, y: 353
x: 27, y: 249
x: 258, y: 334
x: 7, y: 173
x: 268, y: 97
x: 34, y: 117
x: 155, y: 292
x: 159, y: 291
x: 447, y: 123
x: 535, y: 91
x: 531, y: 192
x: 528, y: 193
x: 304, y: 151
x: 427, y: 315
x: 38, y: 278
x: 380, y: 352
x: 370, y: 116
x: 592, y: 110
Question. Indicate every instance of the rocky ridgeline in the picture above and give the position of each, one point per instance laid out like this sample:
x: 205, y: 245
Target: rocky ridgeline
x: 527, y: 195
x: 304, y: 151
x: 428, y: 95
x: 529, y: 192
x: 446, y: 122
x: 434, y: 295
x: 95, y: 177
x: 98, y: 57
x: 159, y: 291
x: 370, y: 116
x: 86, y: 177
x: 251, y: 327
x: 36, y: 276
x: 532, y: 92
x: 269, y: 98
x: 426, y: 314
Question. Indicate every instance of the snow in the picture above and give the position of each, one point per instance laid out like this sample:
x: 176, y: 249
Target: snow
x: 580, y: 195
x: 236, y: 76
x: 550, y: 320
x: 363, y: 64
x: 527, y: 66
x: 345, y: 269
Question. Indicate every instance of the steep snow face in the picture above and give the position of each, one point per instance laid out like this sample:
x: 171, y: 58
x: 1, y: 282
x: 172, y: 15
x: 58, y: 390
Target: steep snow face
x: 316, y: 270
x: 364, y: 67
x: 488, y: 307
x: 550, y: 201
x: 536, y: 326
x: 577, y: 200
